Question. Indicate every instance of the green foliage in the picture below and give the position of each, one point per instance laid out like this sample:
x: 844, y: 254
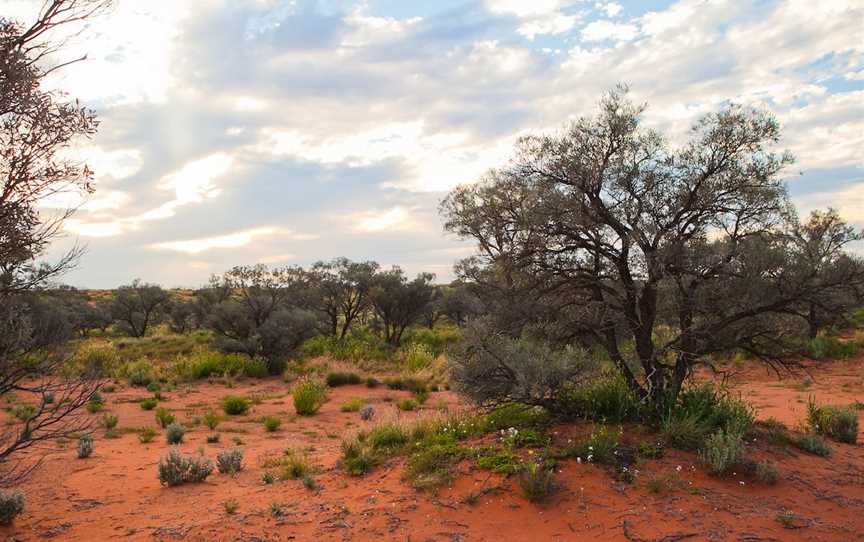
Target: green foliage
x: 387, y: 436
x: 650, y: 450
x: 358, y: 459
x: 814, y: 444
x: 24, y: 412
x: 356, y: 347
x: 230, y: 461
x: 766, y: 472
x: 234, y: 405
x: 271, y: 423
x: 351, y: 405
x: 432, y: 464
x: 343, y: 379
x: 309, y: 396
x: 524, y: 438
x: 721, y: 451
x: 174, y: 433
x: 291, y: 465
x: 211, y: 420
x: 154, y: 387
x: 826, y: 347
x: 109, y: 422
x: 85, y: 446
x: 213, y: 439
x: 601, y: 446
x: 175, y: 468
x: 11, y: 504
x: 435, y: 342
x: 230, y: 506
x: 502, y: 462
x: 146, y: 435
x: 536, y: 481
x: 411, y: 384
x: 517, y: 416
x: 95, y: 361
x: 164, y: 418
x: 416, y: 357
x: 421, y: 397
x: 149, y: 403
x: 140, y: 373
x: 93, y: 407
x: 406, y: 404
x: 701, y: 411
x: 205, y: 363
x: 607, y: 399
x: 836, y: 422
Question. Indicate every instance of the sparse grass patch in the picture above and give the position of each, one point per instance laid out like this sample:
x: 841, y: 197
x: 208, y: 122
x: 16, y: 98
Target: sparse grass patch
x: 352, y: 405
x: 536, y: 481
x: 406, y: 404
x: 501, y: 461
x: 230, y: 506
x: 814, y: 444
x: 149, y: 403
x: 292, y: 464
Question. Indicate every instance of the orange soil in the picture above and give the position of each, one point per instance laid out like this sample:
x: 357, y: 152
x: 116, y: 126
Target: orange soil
x: 115, y: 494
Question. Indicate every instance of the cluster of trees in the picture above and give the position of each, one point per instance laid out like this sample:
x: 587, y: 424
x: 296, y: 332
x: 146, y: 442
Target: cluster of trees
x: 604, y: 236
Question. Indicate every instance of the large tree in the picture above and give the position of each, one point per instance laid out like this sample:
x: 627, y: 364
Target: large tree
x: 660, y: 255
x: 400, y: 303
x: 137, y: 306
x: 340, y: 291
x: 36, y: 125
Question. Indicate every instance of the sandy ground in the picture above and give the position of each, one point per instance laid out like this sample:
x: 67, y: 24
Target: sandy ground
x: 115, y: 494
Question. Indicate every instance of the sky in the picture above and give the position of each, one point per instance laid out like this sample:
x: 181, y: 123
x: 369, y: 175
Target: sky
x: 286, y: 132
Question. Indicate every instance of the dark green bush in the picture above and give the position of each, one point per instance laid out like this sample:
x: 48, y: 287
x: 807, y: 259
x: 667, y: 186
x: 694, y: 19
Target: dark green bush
x: 11, y: 504
x: 309, y: 396
x: 343, y: 379
x: 825, y: 347
x: 813, y: 444
x: 164, y: 418
x: 234, y: 405
x: 149, y: 403
x: 721, y: 451
x: 837, y: 422
x: 607, y: 399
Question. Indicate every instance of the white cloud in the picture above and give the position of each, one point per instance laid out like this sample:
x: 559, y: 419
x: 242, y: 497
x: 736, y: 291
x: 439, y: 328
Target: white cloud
x: 537, y: 17
x: 394, y: 219
x: 231, y: 240
x: 608, y: 30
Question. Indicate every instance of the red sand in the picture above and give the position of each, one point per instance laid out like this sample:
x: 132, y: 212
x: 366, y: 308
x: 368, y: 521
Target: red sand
x: 115, y: 494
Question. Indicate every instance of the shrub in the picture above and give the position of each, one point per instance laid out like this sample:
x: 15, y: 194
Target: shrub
x: 230, y: 461
x: 140, y: 373
x: 175, y: 468
x: 608, y: 399
x: 387, y: 436
x: 367, y: 412
x: 146, y: 435
x: 357, y: 459
x: 503, y: 462
x: 149, y: 403
x: 154, y: 387
x: 208, y: 363
x: 721, y: 451
x: 291, y: 465
x: 525, y: 438
x: 421, y: 397
x: 164, y: 418
x: 839, y: 423
x: 309, y: 482
x: 766, y: 472
x: 432, y: 464
x: 234, y: 405
x: 824, y: 347
x: 230, y: 506
x: 406, y: 404
x: 109, y: 422
x: 211, y: 420
x: 343, y: 379
x: 85, y: 446
x: 600, y: 446
x: 213, y: 439
x: 96, y: 361
x: 24, y: 412
x: 93, y: 407
x: 174, y: 433
x: 271, y: 423
x: 814, y: 444
x: 351, y: 405
x: 417, y: 357
x: 11, y: 504
x: 536, y: 481
x: 309, y: 395
x: 372, y: 382
x: 516, y: 415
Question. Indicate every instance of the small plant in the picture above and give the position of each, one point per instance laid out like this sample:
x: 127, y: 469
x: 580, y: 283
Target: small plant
x: 154, y: 387
x: 164, y: 418
x: 213, y: 439
x: 814, y: 444
x: 175, y: 468
x: 48, y: 398
x: 149, y: 403
x: 309, y: 395
x: 343, y: 379
x: 93, y: 407
x: 146, y: 435
x: 174, y: 433
x: 291, y: 465
x: 11, y: 504
x: 536, y: 481
x: 406, y: 404
x: 309, y: 482
x: 109, y: 423
x: 372, y: 382
x: 24, y: 412
x: 230, y: 461
x: 277, y: 509
x: 230, y: 506
x: 268, y: 478
x: 367, y: 412
x: 234, y: 405
x: 836, y: 422
x: 421, y: 397
x: 503, y: 462
x: 650, y: 450
x: 271, y: 423
x: 211, y: 420
x: 766, y: 472
x: 85, y: 446
x: 600, y: 447
x: 351, y: 405
x: 722, y: 451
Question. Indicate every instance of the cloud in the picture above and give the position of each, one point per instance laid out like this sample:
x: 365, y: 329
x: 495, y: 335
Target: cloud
x: 608, y: 30
x: 231, y: 240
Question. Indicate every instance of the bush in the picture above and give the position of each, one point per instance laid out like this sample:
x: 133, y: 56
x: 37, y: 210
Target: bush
x: 175, y: 468
x: 824, y: 347
x: 149, y: 403
x: 431, y: 465
x: 164, y: 418
x: 406, y: 404
x: 357, y: 459
x: 367, y: 412
x: 25, y: 412
x: 146, y: 435
x: 154, y: 387
x: 417, y: 357
x: 343, y: 379
x: 230, y: 461
x: 357, y: 347
x: 208, y: 363
x: 109, y: 422
x: 96, y: 361
x: 504, y: 462
x: 271, y: 423
x: 213, y: 439
x: 140, y: 373
x: 174, y: 433
x: 291, y: 465
x: 766, y: 472
x: 721, y: 451
x: 351, y: 405
x: 608, y: 399
x: 11, y: 504
x: 234, y: 405
x: 211, y: 420
x: 600, y: 446
x: 536, y: 481
x: 309, y: 395
x: 814, y: 444
x: 836, y: 422
x: 701, y: 411
x: 516, y: 415
x: 85, y: 446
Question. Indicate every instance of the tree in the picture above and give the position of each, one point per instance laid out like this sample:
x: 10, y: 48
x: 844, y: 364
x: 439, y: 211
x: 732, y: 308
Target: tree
x: 818, y: 247
x: 137, y: 306
x: 36, y: 124
x: 677, y: 252
x: 257, y: 311
x: 182, y: 316
x: 399, y: 303
x: 87, y: 316
x: 341, y: 291
x: 460, y: 304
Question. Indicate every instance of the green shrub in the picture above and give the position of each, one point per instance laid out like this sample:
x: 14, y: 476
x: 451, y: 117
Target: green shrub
x: 96, y: 361
x: 351, y: 405
x: 357, y: 347
x: 607, y: 399
x: 146, y: 435
x: 372, y: 382
x: 213, y: 439
x: 650, y: 450
x: 431, y: 465
x: 766, y: 472
x: 230, y: 461
x: 503, y: 462
x: 211, y: 420
x: 234, y: 405
x: 149, y: 403
x: 600, y: 446
x: 721, y: 451
x: 416, y: 357
x: 139, y: 373
x: 175, y: 468
x: 421, y: 397
x: 85, y: 446
x: 517, y: 416
x: 271, y: 423
x: 309, y: 396
x: 536, y: 481
x: 406, y: 404
x: 154, y: 387
x: 434, y: 341
x: 109, y: 422
x: 343, y: 379
x: 813, y: 444
x: 164, y: 418
x: 836, y: 422
x: 357, y: 459
x: 174, y: 433
x: 825, y: 347
x: 230, y: 506
x: 11, y: 504
x: 387, y: 436
x: 24, y: 412
x: 93, y: 407
x: 701, y: 411
x: 524, y: 438
x: 208, y: 363
x: 291, y: 465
